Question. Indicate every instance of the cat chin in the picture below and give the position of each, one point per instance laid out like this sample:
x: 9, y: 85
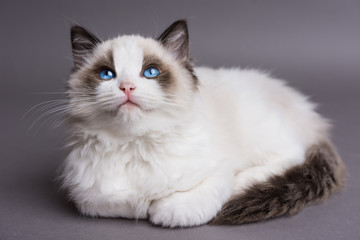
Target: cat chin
x: 129, y: 113
x: 138, y: 122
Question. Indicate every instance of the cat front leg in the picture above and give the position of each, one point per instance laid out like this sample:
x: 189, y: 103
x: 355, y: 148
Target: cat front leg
x: 196, y: 206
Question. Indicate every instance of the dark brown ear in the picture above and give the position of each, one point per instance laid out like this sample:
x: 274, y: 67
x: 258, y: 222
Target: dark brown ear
x: 176, y: 39
x: 83, y: 43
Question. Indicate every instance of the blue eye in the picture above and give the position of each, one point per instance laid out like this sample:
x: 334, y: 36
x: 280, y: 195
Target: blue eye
x: 106, y: 74
x: 151, y: 72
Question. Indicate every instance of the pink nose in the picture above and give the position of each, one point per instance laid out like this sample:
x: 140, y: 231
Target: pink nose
x: 127, y: 87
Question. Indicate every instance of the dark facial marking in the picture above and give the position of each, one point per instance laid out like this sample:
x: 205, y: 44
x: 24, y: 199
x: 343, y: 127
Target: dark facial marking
x: 165, y: 78
x: 90, y: 75
x: 191, y: 71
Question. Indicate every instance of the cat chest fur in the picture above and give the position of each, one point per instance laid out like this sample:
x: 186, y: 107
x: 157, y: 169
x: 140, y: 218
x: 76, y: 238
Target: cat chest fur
x: 116, y: 178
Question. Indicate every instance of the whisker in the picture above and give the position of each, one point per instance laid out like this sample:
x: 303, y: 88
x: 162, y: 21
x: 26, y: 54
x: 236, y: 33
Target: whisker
x: 44, y: 115
x: 49, y: 121
x: 58, y: 111
x: 39, y: 105
x: 164, y: 101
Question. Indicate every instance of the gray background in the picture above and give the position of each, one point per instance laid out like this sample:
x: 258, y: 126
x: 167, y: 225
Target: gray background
x: 312, y: 44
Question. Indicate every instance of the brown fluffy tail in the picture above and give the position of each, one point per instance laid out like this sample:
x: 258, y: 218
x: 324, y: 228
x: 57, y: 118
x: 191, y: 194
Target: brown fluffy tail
x: 322, y: 174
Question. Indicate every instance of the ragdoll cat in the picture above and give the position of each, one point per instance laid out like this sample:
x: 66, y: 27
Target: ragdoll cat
x: 154, y: 138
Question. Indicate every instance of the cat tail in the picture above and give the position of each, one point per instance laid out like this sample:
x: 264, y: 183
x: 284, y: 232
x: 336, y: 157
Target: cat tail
x: 322, y: 174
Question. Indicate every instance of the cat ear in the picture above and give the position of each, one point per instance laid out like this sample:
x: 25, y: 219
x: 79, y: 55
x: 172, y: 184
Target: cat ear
x: 176, y: 39
x: 83, y: 43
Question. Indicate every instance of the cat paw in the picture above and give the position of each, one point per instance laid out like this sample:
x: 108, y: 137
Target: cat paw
x: 177, y: 211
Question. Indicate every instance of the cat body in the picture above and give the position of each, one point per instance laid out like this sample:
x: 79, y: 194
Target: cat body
x: 177, y: 148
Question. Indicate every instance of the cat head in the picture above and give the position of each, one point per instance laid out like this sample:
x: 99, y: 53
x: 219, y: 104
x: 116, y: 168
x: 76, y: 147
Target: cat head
x: 130, y: 81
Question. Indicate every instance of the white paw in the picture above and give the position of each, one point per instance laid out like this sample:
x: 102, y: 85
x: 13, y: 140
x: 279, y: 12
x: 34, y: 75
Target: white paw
x: 178, y: 210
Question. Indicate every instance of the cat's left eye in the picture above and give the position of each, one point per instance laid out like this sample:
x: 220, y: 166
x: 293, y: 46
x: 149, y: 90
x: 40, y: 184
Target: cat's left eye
x: 151, y: 72
x: 106, y: 74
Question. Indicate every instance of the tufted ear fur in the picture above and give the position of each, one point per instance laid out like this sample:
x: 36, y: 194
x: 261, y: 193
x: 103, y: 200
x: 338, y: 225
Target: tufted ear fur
x: 176, y: 39
x: 83, y: 43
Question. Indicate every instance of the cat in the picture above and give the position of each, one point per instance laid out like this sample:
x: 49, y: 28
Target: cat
x: 153, y: 137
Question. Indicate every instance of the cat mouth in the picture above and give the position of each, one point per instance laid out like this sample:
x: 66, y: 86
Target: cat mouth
x: 128, y: 104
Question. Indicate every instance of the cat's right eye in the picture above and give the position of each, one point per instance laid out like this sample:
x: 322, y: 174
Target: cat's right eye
x: 151, y: 72
x: 106, y: 74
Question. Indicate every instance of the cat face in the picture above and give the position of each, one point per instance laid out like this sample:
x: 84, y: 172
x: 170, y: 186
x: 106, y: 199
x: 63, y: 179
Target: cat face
x: 131, y: 80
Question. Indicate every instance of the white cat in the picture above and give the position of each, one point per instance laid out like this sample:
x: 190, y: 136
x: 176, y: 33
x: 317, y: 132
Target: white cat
x: 153, y: 137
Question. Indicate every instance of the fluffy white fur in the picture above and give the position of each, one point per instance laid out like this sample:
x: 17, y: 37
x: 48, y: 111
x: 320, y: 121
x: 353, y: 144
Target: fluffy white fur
x: 179, y: 157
